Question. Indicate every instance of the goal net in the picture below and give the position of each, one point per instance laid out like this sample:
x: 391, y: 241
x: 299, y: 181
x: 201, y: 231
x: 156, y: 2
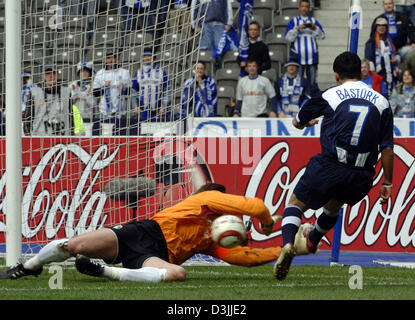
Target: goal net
x: 102, y: 116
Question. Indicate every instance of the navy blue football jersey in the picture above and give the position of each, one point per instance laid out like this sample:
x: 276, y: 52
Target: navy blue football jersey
x: 357, y: 123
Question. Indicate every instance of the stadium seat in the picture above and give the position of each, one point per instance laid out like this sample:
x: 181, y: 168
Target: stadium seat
x: 66, y: 57
x: 226, y: 95
x: 227, y: 77
x: 261, y: 21
x: 2, y: 19
x: 36, y: 21
x: 69, y: 39
x: 278, y: 52
x: 265, y: 9
x: 34, y: 6
x: 169, y: 55
x: 276, y: 43
x: 280, y: 25
x: 66, y: 74
x: 138, y: 38
x: 230, y: 56
x: 107, y: 21
x: 289, y: 4
x: 277, y: 66
x: 75, y: 23
x: 274, y: 38
x: 229, y: 60
x: 171, y: 38
x: 278, y: 55
x: 289, y: 8
x: 175, y: 41
x: 235, y: 5
x: 34, y: 56
x: 131, y: 54
x: 105, y: 38
x: 271, y: 74
x: 33, y: 39
x: 2, y: 55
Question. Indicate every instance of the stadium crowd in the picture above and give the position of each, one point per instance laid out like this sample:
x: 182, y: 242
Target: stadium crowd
x: 113, y: 95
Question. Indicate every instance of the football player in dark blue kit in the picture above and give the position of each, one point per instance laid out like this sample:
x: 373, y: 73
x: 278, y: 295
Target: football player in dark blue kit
x: 357, y: 124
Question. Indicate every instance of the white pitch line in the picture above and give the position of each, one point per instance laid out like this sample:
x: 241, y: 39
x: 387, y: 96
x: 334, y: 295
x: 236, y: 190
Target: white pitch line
x: 301, y: 275
x: 251, y: 285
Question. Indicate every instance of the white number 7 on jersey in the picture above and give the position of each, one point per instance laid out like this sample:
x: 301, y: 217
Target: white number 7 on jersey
x: 362, y: 111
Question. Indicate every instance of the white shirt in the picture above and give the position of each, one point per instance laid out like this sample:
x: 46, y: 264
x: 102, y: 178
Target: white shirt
x: 115, y: 106
x: 254, y: 93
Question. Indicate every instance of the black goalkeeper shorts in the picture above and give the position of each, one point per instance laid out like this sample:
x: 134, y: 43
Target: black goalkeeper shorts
x: 138, y: 241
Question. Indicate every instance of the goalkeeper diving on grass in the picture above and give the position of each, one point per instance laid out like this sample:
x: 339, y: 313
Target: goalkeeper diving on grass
x: 153, y: 250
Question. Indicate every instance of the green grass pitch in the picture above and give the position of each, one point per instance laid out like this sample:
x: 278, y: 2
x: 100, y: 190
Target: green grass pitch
x: 224, y: 283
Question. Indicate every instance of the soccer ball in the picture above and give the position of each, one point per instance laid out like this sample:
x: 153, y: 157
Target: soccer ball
x: 228, y: 231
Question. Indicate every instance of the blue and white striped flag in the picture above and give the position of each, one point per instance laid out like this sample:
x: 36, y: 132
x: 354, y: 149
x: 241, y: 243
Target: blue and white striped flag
x: 228, y: 41
x: 245, y: 17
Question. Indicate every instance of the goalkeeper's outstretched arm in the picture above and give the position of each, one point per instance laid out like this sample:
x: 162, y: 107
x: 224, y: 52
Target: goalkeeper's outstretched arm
x: 244, y: 256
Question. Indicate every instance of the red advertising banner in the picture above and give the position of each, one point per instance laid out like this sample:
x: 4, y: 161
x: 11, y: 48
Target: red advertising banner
x: 64, y: 181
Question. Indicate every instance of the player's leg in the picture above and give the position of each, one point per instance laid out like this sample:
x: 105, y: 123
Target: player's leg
x: 291, y: 219
x: 325, y: 222
x: 174, y: 271
x: 311, y: 191
x: 143, y: 252
x: 156, y: 271
x: 97, y: 244
x: 291, y: 222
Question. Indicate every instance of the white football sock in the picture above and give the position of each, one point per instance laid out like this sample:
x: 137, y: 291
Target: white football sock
x: 146, y: 274
x: 54, y: 251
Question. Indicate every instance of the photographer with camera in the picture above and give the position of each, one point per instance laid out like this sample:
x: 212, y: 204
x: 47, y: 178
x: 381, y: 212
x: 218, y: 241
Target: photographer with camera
x: 303, y: 31
x: 49, y: 109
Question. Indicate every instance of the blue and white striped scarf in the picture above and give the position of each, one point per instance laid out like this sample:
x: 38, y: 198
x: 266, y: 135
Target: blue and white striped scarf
x: 291, y: 94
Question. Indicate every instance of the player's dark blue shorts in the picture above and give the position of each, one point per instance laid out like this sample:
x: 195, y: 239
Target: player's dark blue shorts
x: 138, y: 241
x: 325, y: 179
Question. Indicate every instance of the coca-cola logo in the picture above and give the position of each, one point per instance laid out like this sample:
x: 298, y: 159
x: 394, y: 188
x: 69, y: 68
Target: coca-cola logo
x: 44, y: 209
x: 385, y: 226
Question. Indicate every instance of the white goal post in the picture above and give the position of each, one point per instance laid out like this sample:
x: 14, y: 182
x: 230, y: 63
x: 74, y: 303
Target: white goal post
x: 87, y: 114
x: 13, y: 132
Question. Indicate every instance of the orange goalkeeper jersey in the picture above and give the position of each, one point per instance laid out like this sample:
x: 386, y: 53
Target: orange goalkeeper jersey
x: 186, y: 227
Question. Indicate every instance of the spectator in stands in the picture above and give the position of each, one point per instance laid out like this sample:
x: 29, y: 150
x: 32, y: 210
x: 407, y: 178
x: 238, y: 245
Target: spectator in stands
x: 154, y: 92
x: 381, y: 51
x: 257, y: 50
x: 219, y: 17
x: 49, y: 109
x: 27, y: 88
x: 407, y: 7
x: 252, y: 95
x: 292, y: 91
x: 373, y: 80
x: 409, y: 61
x: 158, y: 15
x: 179, y: 17
x: 81, y: 94
x: 110, y: 86
x: 80, y: 7
x: 303, y: 31
x: 147, y: 14
x: 400, y: 28
x: 203, y: 88
x: 134, y: 13
x: 402, y: 100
